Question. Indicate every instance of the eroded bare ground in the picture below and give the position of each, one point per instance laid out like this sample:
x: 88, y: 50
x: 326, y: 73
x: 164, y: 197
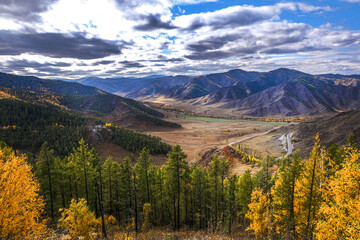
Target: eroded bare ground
x: 198, y: 136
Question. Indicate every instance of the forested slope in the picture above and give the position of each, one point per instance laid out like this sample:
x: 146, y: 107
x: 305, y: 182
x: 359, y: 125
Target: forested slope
x: 78, y: 97
x: 26, y: 126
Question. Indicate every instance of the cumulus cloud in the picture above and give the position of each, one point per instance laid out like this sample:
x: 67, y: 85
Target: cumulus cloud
x: 121, y: 37
x: 240, y: 15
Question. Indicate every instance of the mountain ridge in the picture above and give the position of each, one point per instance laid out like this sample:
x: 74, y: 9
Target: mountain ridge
x: 238, y: 92
x: 75, y: 96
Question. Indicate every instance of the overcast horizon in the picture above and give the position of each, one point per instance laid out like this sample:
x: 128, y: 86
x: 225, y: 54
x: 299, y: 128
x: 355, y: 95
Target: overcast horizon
x: 119, y: 38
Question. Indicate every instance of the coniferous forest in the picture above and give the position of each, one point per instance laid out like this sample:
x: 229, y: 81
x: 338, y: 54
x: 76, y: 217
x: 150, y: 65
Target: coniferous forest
x: 81, y: 195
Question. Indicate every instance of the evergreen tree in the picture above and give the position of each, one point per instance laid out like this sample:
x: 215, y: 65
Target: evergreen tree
x: 175, y: 169
x: 218, y: 169
x: 108, y: 177
x: 231, y: 204
x: 243, y: 198
x: 143, y: 167
x: 45, y: 173
x: 126, y: 187
x: 283, y: 195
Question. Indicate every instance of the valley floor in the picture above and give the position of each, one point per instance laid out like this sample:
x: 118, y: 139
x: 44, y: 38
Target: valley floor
x: 199, y: 135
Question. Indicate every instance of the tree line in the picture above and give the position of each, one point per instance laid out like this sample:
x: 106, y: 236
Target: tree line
x: 26, y: 126
x: 133, y: 141
x: 313, y: 199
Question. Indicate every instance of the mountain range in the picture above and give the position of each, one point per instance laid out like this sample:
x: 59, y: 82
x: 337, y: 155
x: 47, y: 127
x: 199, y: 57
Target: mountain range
x: 85, y: 99
x: 281, y: 92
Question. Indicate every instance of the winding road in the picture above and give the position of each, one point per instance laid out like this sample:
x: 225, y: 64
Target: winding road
x: 289, y: 145
x: 247, y: 138
x: 253, y: 136
x: 288, y: 140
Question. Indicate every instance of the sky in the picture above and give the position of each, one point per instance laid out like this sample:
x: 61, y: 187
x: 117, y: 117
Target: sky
x: 135, y: 38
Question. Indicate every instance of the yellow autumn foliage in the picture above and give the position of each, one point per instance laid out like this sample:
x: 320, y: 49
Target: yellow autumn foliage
x: 339, y: 214
x: 21, y: 207
x: 146, y: 211
x: 78, y: 220
x: 258, y: 214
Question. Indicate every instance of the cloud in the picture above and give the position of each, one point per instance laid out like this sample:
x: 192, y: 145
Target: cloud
x: 57, y: 45
x: 352, y: 1
x: 161, y: 58
x: 250, y: 40
x: 286, y: 50
x: 23, y: 63
x: 24, y: 10
x: 103, y: 62
x: 128, y: 64
x: 144, y: 7
x: 213, y: 43
x: 149, y: 35
x: 240, y: 15
x: 228, y: 17
x: 154, y: 22
x: 185, y: 2
x: 24, y: 66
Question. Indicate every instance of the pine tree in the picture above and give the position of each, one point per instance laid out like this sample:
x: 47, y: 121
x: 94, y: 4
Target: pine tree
x: 126, y: 186
x: 284, y: 201
x: 143, y: 167
x: 175, y: 168
x: 200, y: 185
x: 45, y: 172
x: 108, y: 177
x: 243, y: 196
x: 230, y: 200
x: 218, y: 169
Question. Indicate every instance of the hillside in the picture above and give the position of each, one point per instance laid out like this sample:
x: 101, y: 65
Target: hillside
x: 86, y: 99
x: 333, y: 130
x: 35, y: 84
x: 132, y: 85
x: 26, y: 126
x: 280, y: 93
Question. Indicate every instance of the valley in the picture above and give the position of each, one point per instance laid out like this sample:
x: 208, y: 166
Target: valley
x: 166, y: 159
x: 199, y: 135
